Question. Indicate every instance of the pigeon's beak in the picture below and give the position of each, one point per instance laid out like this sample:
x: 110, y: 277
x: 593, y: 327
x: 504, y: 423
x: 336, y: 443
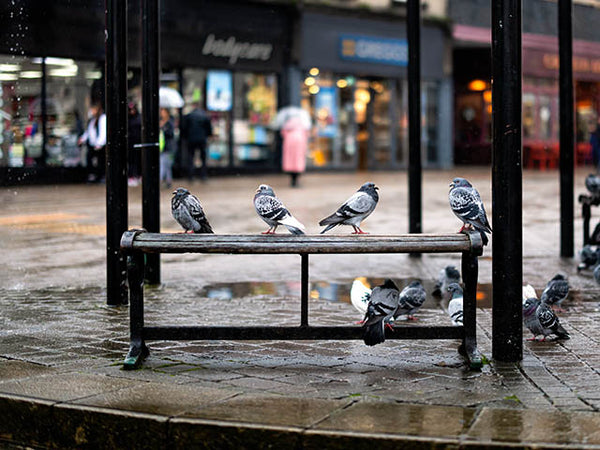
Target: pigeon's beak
x: 174, y: 192
x: 376, y: 188
x: 451, y: 185
x: 258, y: 190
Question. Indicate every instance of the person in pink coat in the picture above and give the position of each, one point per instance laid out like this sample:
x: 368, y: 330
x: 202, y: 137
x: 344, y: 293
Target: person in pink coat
x: 295, y: 142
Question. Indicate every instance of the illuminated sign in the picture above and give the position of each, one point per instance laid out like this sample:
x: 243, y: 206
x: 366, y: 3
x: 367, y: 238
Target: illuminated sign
x: 374, y: 49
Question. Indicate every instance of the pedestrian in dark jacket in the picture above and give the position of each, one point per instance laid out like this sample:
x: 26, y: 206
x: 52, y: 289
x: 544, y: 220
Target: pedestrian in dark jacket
x: 595, y: 143
x: 195, y: 131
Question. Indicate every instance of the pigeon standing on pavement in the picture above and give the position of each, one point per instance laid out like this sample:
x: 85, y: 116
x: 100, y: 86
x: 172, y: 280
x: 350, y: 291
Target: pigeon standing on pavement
x: 188, y: 212
x: 354, y: 210
x: 273, y: 211
x: 597, y: 274
x: 447, y: 276
x: 455, y: 306
x: 381, y: 307
x: 588, y: 257
x: 540, y: 319
x: 529, y: 292
x: 555, y: 292
x: 411, y: 299
x: 592, y: 183
x: 466, y: 204
x: 360, y: 294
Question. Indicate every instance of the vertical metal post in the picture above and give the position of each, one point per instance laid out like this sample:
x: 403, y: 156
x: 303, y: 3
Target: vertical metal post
x: 150, y: 129
x: 470, y: 268
x: 567, y: 138
x: 137, y: 347
x: 44, y: 113
x: 304, y: 291
x: 586, y: 212
x: 507, y: 182
x: 116, y: 149
x: 413, y: 20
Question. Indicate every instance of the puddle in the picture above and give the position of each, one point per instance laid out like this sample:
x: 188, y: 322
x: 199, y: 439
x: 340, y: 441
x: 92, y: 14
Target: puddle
x: 327, y: 291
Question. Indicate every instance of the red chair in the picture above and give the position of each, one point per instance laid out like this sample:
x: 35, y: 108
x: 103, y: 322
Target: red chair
x: 583, y: 153
x: 537, y: 155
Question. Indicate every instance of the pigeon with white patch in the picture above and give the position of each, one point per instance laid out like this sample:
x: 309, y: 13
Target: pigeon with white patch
x: 381, y: 307
x: 529, y: 292
x: 541, y: 320
x: 447, y: 276
x: 360, y: 294
x: 455, y: 306
x: 592, y: 183
x: 354, y: 210
x: 466, y: 204
x: 273, y: 211
x: 588, y: 257
x: 188, y: 212
x: 411, y: 299
x: 555, y: 292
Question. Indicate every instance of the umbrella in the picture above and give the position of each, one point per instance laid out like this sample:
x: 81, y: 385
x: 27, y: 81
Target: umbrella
x: 169, y: 98
x: 288, y: 112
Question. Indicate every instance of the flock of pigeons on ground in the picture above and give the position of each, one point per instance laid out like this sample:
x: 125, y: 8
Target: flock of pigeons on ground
x: 383, y: 304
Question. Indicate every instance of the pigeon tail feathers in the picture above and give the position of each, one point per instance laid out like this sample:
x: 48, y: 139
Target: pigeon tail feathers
x: 374, y: 332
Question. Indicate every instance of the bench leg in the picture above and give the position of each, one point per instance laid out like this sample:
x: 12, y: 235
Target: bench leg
x: 468, y: 348
x: 135, y: 275
x: 586, y: 212
x: 305, y: 291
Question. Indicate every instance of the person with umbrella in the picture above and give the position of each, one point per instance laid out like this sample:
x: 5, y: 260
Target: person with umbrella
x: 294, y: 124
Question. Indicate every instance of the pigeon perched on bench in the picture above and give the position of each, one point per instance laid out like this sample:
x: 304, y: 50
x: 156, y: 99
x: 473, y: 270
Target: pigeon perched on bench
x: 592, y: 183
x: 270, y: 209
x: 381, y: 307
x: 555, y: 292
x: 188, y: 212
x: 541, y: 320
x: 354, y: 210
x: 447, y: 276
x: 466, y: 204
x: 455, y: 306
x: 411, y: 299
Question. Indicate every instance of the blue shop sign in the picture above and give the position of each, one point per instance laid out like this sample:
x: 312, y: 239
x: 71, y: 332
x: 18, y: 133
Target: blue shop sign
x: 375, y: 50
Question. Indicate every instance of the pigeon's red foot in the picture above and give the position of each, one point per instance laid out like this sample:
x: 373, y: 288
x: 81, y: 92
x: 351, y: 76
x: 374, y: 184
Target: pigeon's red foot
x: 389, y: 326
x: 359, y: 231
x: 359, y: 322
x: 532, y: 339
x: 268, y: 232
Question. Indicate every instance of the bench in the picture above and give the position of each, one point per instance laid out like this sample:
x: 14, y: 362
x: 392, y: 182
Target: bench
x: 587, y: 201
x: 136, y: 243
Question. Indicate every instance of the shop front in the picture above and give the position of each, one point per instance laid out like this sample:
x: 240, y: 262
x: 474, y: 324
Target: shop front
x: 353, y: 80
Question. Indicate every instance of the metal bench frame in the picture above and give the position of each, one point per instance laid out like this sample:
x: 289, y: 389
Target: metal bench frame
x: 136, y: 243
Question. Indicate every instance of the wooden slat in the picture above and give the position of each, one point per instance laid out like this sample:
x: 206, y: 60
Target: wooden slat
x: 279, y: 244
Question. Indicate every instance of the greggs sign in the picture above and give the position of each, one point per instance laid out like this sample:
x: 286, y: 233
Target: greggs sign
x: 580, y: 63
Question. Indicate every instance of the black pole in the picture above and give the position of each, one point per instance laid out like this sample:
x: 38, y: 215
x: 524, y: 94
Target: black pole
x: 414, y: 115
x: 116, y: 149
x: 44, y: 113
x: 507, y: 181
x: 567, y: 137
x: 149, y: 146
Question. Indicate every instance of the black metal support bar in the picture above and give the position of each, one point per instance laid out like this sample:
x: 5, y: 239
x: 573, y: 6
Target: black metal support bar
x: 507, y: 189
x: 304, y: 291
x: 414, y: 115
x: 150, y: 129
x: 137, y: 350
x: 586, y: 212
x: 116, y: 149
x: 470, y: 270
x: 567, y: 136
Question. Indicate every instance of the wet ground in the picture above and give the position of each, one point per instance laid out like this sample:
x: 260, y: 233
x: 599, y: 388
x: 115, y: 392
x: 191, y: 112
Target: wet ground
x: 61, y: 348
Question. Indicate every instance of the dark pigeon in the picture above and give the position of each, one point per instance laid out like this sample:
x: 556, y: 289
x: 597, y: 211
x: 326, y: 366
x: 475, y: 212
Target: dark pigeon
x: 455, y: 306
x: 468, y: 207
x: 273, y: 211
x: 411, y: 299
x: 592, y: 183
x: 354, y: 210
x: 541, y: 320
x: 381, y: 307
x: 188, y: 212
x: 555, y: 292
x: 447, y: 276
x: 588, y: 257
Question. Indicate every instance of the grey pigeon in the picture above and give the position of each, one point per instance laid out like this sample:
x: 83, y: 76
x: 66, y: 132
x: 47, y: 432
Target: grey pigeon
x: 597, y: 274
x: 381, y: 307
x: 447, y: 276
x: 540, y: 319
x: 354, y: 210
x: 188, y: 212
x: 466, y: 204
x: 592, y: 183
x: 412, y: 298
x: 455, y: 306
x: 588, y: 257
x: 273, y: 211
x: 555, y: 292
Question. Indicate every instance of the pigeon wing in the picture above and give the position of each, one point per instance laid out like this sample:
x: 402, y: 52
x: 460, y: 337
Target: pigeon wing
x: 467, y: 205
x: 192, y: 204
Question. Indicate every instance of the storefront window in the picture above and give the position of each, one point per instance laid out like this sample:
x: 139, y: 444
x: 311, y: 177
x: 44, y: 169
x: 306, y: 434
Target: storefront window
x: 429, y: 114
x: 254, y: 110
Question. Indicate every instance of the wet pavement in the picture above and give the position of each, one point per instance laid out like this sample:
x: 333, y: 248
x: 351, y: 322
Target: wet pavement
x: 61, y: 347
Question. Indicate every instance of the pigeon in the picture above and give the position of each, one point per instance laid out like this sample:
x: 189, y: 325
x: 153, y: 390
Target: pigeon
x: 588, y: 257
x: 455, y: 306
x: 412, y: 298
x: 597, y: 274
x: 360, y: 294
x: 354, y: 210
x: 381, y: 307
x: 592, y: 183
x: 540, y: 319
x: 273, y: 211
x: 466, y: 204
x: 529, y: 292
x: 447, y: 276
x: 556, y: 291
x: 188, y: 212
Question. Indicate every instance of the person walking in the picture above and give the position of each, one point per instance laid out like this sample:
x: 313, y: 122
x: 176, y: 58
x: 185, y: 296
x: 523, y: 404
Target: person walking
x: 95, y: 139
x: 196, y: 128
x: 167, y: 147
x: 134, y: 155
x: 295, y: 142
x: 595, y: 144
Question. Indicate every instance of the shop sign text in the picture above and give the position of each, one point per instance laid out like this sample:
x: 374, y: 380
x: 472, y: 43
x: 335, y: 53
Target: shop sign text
x: 233, y: 50
x: 374, y: 49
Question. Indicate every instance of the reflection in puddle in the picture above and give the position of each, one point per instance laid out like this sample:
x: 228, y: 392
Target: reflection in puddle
x: 326, y: 291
